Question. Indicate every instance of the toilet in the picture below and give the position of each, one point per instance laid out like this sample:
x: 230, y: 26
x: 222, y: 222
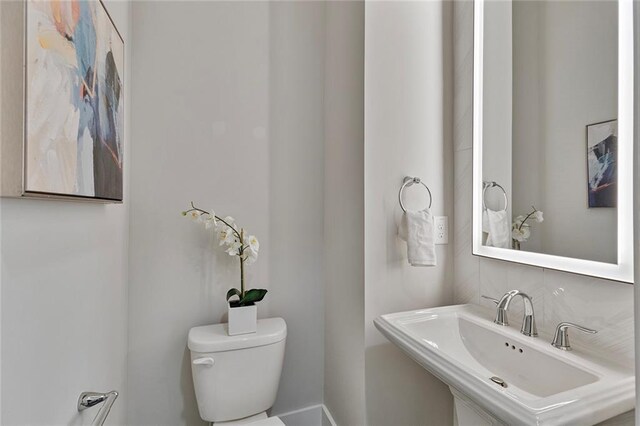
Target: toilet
x: 236, y: 378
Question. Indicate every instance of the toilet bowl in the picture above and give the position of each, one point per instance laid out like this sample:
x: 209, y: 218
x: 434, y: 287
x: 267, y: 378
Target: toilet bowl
x: 236, y: 378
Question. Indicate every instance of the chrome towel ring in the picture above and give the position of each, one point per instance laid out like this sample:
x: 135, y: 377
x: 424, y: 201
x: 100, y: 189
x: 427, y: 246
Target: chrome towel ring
x: 408, y: 181
x: 492, y: 184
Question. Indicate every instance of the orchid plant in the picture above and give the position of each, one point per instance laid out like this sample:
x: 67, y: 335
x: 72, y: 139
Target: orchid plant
x: 236, y: 243
x: 521, y: 230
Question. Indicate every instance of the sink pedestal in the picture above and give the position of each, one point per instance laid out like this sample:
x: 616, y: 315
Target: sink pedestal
x: 468, y: 413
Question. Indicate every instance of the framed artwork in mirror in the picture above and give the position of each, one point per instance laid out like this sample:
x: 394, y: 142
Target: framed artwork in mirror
x: 74, y: 107
x: 602, y: 168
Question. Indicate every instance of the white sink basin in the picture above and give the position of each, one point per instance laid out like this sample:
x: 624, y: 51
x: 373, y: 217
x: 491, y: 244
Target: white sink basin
x: 464, y: 348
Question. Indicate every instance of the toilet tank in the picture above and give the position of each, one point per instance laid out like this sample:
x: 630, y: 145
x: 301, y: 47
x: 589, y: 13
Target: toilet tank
x: 236, y: 376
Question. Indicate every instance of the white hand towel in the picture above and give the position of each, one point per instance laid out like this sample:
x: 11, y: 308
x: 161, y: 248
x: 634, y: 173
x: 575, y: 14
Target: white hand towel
x: 497, y: 225
x: 417, y: 229
x: 485, y: 226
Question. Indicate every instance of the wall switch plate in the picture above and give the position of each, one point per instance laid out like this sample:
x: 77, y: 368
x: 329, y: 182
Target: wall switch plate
x: 441, y: 229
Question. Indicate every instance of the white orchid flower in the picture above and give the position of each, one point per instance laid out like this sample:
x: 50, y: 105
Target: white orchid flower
x: 231, y: 221
x: 203, y: 218
x: 233, y: 249
x: 250, y: 256
x: 521, y: 234
x: 254, y: 245
x: 538, y: 216
x: 227, y: 236
x: 209, y: 220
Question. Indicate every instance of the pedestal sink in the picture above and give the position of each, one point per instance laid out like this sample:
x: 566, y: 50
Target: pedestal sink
x: 498, y: 375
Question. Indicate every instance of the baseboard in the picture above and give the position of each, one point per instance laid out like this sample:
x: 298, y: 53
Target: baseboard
x: 315, y: 415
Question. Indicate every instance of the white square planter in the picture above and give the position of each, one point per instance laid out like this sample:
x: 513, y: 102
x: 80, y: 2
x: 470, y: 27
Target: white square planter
x: 243, y: 320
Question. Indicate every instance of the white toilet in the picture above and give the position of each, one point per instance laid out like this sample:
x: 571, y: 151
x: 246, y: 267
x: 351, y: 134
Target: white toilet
x: 236, y: 378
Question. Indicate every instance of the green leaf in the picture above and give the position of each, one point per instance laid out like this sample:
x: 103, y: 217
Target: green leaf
x: 233, y: 292
x: 252, y: 296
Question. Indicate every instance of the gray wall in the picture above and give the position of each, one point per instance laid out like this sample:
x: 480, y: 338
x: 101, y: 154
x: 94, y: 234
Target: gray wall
x: 407, y: 117
x: 227, y: 112
x: 64, y: 294
x: 564, y: 80
x: 636, y: 203
x: 296, y: 213
x: 344, y: 393
x: 496, y: 112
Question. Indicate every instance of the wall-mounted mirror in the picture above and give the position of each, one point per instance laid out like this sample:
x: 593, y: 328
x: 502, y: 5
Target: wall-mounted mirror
x: 553, y: 134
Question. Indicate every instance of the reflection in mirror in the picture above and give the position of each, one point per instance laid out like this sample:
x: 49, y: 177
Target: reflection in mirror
x: 549, y: 127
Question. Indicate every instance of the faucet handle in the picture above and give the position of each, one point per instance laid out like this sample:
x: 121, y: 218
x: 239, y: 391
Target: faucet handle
x: 561, y: 338
x: 501, y: 314
x: 496, y: 301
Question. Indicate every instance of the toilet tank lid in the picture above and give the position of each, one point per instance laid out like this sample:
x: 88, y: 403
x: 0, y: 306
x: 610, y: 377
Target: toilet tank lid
x: 214, y: 338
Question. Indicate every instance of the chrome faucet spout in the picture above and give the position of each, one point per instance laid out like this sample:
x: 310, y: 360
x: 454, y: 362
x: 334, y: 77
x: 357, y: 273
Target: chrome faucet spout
x: 528, y: 322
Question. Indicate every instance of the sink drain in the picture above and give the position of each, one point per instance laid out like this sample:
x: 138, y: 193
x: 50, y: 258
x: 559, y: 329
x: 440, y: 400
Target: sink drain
x: 497, y: 380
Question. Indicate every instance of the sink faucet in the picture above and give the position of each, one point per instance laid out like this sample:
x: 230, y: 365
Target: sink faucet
x: 561, y: 338
x: 528, y: 322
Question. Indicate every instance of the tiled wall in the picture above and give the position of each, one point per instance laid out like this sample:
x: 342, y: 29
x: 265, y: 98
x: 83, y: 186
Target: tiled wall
x: 557, y: 296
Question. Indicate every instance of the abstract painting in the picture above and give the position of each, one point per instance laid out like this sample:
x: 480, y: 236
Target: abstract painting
x: 74, y: 100
x: 602, y: 153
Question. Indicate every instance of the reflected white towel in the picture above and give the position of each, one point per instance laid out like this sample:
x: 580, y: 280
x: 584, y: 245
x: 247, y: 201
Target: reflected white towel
x: 498, y: 228
x: 417, y: 229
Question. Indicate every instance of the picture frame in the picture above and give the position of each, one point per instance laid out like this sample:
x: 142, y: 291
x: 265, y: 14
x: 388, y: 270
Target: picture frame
x: 73, y: 142
x: 602, y: 171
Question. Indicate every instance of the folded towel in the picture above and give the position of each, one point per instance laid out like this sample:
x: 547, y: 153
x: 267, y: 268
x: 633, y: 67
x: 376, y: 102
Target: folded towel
x: 417, y: 229
x: 498, y: 228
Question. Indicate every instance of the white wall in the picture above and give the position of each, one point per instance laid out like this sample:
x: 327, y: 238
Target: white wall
x: 405, y: 117
x: 497, y: 89
x: 64, y: 296
x: 296, y: 212
x: 604, y: 305
x: 636, y: 195
x: 344, y: 393
x: 527, y: 154
x: 565, y: 54
x: 228, y: 113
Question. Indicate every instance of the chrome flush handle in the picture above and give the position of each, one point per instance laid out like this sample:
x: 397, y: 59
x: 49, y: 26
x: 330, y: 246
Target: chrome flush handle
x: 561, y: 338
x: 91, y: 399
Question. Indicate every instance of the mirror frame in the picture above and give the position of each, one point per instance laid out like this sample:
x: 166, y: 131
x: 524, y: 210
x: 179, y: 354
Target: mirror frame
x: 623, y: 270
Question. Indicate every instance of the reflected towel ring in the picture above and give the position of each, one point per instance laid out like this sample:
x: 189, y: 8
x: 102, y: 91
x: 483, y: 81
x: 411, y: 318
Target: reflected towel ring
x: 408, y: 181
x: 492, y: 184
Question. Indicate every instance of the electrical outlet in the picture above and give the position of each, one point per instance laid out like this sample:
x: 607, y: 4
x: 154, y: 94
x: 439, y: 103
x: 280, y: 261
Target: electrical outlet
x: 441, y: 229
